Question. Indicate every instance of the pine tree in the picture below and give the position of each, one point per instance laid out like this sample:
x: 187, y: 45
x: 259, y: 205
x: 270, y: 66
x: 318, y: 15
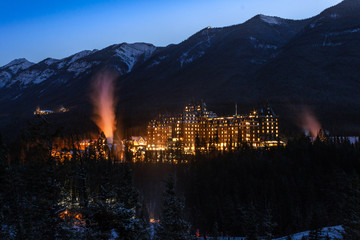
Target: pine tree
x: 215, y: 230
x: 35, y: 200
x: 6, y: 216
x: 172, y: 225
x: 352, y: 212
x: 251, y: 221
x: 128, y: 226
x: 269, y: 225
x: 112, y: 209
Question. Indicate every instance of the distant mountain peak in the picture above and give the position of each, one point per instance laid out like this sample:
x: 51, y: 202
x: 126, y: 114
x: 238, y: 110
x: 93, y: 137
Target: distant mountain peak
x: 287, y: 62
x: 50, y: 61
x: 18, y: 61
x: 17, y: 64
x: 271, y: 20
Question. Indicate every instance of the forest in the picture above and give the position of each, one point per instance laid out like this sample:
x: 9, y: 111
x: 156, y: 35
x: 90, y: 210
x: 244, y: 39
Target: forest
x: 258, y: 194
x: 266, y: 193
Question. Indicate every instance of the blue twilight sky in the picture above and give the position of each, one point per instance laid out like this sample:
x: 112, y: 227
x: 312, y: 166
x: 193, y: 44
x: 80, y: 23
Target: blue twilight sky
x: 37, y: 29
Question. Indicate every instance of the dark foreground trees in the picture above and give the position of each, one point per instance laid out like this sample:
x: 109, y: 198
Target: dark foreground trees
x: 48, y: 200
x: 172, y: 223
x: 352, y: 211
x: 55, y: 201
x: 263, y: 193
x: 254, y: 193
x: 303, y: 185
x: 77, y: 198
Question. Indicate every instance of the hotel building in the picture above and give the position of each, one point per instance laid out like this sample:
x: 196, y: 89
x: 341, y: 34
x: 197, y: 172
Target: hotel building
x: 197, y: 129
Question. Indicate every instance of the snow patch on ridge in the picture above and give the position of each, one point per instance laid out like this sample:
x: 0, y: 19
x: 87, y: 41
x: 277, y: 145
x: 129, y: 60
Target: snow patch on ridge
x: 51, y: 61
x: 4, y: 78
x: 81, y: 66
x: 327, y: 38
x: 17, y: 96
x: 130, y: 53
x: 258, y: 44
x: 316, y: 23
x: 198, y: 50
x: 80, y: 55
x: 33, y: 76
x: 44, y: 76
x: 266, y: 46
x: 271, y: 20
x: 187, y: 58
x: 27, y: 77
x: 334, y: 15
x: 18, y: 64
x: 157, y: 61
x: 61, y: 65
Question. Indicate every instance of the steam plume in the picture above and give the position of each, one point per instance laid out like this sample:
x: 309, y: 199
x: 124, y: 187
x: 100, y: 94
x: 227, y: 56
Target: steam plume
x: 104, y: 102
x: 310, y: 123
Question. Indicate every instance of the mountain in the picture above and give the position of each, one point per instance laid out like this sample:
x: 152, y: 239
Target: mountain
x: 21, y: 74
x: 52, y: 83
x: 215, y: 64
x: 320, y: 67
x: 288, y: 63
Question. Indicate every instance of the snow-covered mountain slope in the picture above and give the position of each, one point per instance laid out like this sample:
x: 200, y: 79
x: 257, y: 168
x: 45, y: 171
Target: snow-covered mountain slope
x: 17, y: 64
x: 130, y: 53
x: 121, y: 57
x: 5, y: 78
x: 80, y: 55
x: 11, y: 69
x: 198, y: 48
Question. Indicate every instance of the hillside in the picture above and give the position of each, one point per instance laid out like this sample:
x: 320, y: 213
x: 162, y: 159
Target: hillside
x: 312, y: 63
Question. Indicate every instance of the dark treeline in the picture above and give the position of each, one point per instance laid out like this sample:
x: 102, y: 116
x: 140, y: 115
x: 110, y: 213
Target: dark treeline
x: 300, y: 187
x: 83, y: 197
x: 263, y: 192
x: 249, y: 192
x: 77, y: 199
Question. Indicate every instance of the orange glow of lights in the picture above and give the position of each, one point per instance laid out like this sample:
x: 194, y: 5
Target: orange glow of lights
x: 310, y: 123
x: 152, y: 220
x: 77, y: 219
x: 104, y: 102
